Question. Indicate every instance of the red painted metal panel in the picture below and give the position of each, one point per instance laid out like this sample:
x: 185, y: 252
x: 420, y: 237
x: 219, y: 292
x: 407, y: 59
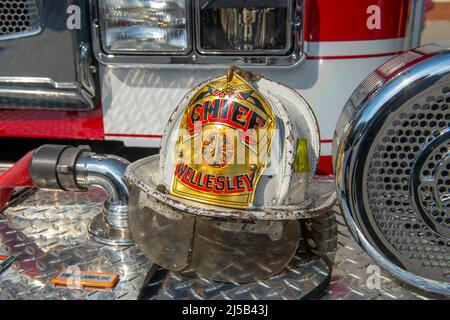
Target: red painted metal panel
x: 52, y: 124
x: 325, y: 167
x: 346, y: 20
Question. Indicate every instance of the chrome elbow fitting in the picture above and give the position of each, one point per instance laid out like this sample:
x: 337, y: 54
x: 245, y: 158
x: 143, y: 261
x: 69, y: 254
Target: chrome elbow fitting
x: 106, y: 172
x: 59, y: 167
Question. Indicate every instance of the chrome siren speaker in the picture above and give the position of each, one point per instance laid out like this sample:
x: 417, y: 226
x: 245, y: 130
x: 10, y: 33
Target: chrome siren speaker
x: 392, y: 164
x: 232, y: 187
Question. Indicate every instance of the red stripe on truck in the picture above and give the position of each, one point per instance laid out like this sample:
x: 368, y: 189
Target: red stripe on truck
x: 354, y: 20
x: 49, y: 124
x: 134, y: 135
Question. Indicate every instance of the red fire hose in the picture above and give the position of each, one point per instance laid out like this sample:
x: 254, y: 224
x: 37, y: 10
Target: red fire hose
x: 16, y: 176
x: 38, y: 168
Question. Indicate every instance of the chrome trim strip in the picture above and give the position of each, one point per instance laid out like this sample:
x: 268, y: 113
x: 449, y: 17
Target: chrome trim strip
x: 53, y: 70
x: 18, y: 35
x: 417, y: 20
x: 47, y: 94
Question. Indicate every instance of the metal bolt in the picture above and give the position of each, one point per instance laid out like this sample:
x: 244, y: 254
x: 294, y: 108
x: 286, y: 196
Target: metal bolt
x: 161, y: 188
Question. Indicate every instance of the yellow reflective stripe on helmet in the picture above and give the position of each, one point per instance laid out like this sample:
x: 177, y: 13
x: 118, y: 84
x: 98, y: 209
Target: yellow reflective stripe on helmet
x: 301, y: 157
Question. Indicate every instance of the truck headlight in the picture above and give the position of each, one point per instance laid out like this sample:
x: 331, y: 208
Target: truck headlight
x: 146, y: 26
x: 237, y: 27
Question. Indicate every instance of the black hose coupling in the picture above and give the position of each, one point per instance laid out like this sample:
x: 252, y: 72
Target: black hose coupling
x: 53, y: 167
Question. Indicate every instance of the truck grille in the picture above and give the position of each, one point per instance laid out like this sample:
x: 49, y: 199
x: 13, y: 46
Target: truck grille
x: 18, y: 18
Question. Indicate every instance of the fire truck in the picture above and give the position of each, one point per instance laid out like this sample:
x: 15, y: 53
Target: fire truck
x: 303, y: 150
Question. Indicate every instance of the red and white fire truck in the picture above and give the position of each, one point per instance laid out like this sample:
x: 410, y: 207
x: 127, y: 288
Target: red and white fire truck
x: 339, y: 94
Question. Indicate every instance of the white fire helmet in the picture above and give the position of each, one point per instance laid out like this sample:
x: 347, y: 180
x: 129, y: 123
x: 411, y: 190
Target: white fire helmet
x: 233, y: 180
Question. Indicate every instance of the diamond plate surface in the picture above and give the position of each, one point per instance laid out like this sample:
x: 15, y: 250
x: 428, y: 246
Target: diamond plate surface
x: 149, y: 98
x: 303, y: 274
x: 48, y: 231
x: 352, y: 279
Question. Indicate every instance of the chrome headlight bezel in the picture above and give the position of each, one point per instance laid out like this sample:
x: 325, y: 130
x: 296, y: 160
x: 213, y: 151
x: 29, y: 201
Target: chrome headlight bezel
x: 289, y: 39
x: 194, y: 57
x: 106, y: 48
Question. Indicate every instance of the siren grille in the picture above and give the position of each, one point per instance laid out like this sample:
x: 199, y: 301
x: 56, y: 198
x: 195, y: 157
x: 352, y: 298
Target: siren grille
x: 407, y: 183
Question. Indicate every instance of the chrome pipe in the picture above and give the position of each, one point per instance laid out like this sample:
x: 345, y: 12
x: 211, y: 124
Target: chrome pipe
x: 107, y: 172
